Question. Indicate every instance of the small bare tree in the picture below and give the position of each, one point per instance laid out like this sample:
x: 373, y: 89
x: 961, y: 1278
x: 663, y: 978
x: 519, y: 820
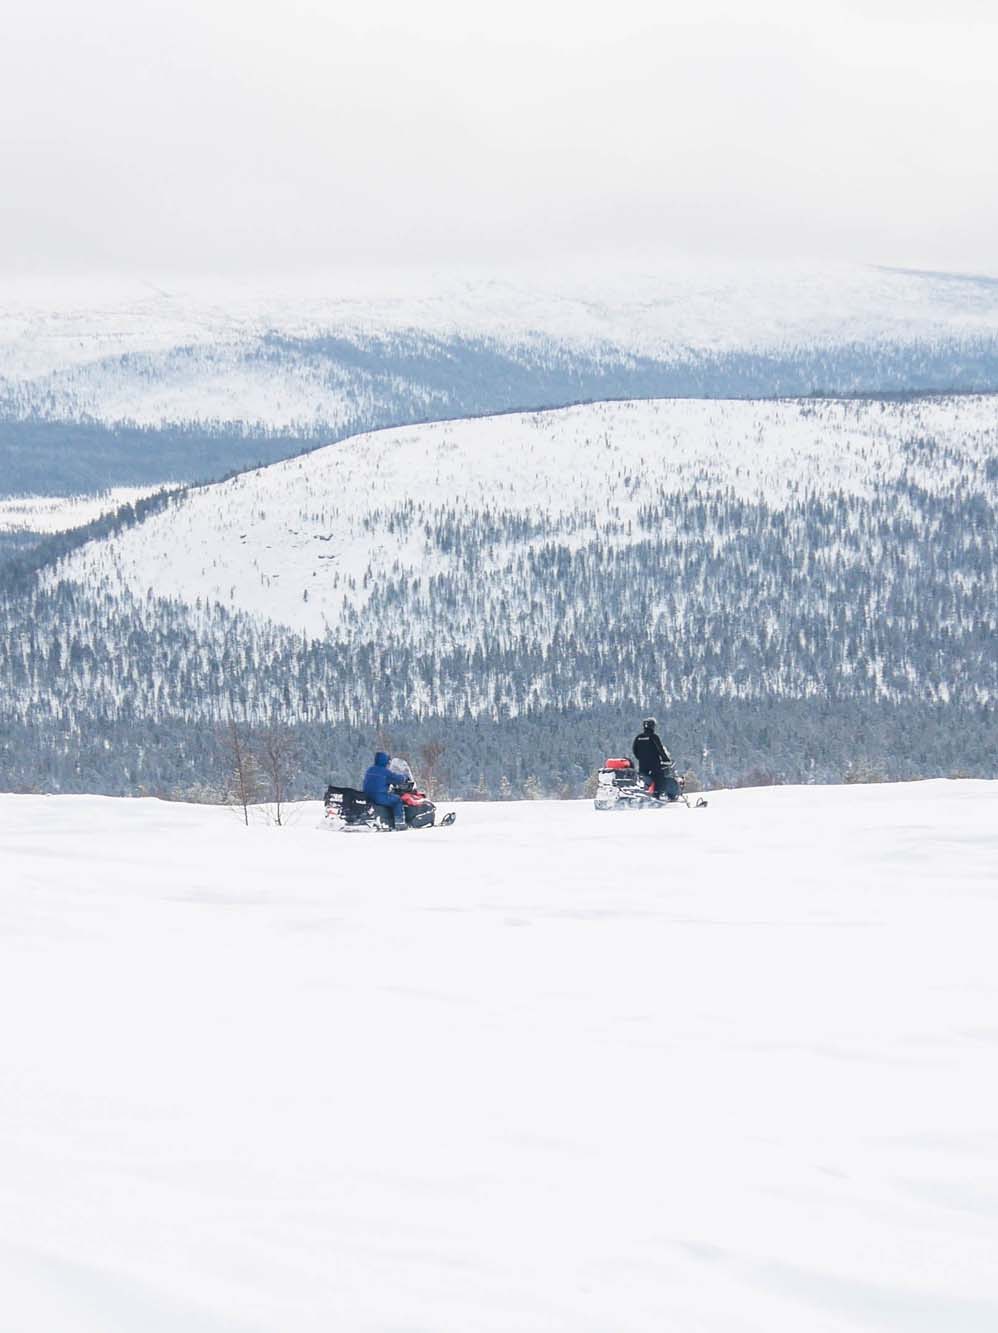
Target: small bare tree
x: 430, y: 768
x: 244, y: 778
x: 278, y: 756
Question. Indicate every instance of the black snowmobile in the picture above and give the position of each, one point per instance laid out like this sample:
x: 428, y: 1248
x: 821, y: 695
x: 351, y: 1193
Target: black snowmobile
x: 619, y: 786
x: 349, y: 809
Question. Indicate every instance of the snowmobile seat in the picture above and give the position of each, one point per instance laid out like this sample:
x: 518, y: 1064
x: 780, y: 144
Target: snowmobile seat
x: 354, y: 807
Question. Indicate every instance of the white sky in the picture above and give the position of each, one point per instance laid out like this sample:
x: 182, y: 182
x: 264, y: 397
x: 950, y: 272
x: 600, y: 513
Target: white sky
x: 251, y: 135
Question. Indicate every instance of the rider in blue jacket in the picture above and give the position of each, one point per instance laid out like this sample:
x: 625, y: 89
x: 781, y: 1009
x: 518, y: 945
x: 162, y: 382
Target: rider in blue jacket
x: 377, y: 788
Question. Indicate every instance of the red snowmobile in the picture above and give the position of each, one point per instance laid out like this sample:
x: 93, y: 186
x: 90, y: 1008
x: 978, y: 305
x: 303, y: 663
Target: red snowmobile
x: 349, y: 808
x: 619, y: 786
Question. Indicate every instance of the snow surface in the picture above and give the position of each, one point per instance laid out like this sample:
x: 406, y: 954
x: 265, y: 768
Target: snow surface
x: 263, y: 540
x: 54, y: 513
x: 62, y: 341
x: 546, y: 1071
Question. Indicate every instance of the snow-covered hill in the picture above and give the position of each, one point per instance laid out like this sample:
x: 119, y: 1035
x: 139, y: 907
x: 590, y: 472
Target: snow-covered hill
x: 458, y: 508
x: 549, y: 1070
x: 805, y: 586
x: 341, y: 350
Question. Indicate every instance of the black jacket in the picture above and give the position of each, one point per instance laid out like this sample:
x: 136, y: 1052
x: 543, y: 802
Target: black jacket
x: 650, y: 752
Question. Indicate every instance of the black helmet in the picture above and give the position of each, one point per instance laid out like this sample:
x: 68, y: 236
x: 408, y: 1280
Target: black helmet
x: 649, y: 724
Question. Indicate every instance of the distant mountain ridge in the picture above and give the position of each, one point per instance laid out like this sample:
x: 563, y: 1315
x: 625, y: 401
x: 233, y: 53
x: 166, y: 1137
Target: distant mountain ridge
x: 251, y: 375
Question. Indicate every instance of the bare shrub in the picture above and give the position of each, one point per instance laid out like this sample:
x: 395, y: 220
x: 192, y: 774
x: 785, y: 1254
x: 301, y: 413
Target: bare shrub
x: 245, y: 781
x: 278, y: 756
x: 430, y: 767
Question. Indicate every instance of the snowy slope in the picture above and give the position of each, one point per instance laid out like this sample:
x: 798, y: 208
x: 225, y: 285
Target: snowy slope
x: 56, y: 513
x: 310, y: 542
x: 829, y: 566
x: 718, y: 1071
x: 201, y: 350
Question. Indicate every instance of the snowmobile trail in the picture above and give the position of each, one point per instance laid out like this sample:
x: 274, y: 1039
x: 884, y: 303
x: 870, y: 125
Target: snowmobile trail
x: 552, y: 1071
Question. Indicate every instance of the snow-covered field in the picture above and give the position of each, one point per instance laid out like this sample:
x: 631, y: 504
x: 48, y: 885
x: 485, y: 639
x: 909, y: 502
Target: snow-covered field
x: 56, y: 513
x: 549, y: 1070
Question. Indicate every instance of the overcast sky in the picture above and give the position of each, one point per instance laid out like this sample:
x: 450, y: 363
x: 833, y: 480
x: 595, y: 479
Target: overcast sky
x: 268, y: 135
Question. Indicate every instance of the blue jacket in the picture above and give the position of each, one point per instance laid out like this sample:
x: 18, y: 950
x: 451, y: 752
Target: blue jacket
x: 378, y: 779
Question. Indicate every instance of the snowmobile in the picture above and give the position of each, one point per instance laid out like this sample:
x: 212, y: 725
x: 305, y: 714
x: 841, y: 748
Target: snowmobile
x: 349, y: 809
x: 619, y: 786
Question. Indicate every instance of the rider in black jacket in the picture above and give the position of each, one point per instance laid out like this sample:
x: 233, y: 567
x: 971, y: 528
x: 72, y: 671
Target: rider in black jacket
x: 654, y: 760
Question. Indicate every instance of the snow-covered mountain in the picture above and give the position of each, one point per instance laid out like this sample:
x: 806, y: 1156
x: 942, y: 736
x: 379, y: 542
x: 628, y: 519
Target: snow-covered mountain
x: 342, y: 350
x: 548, y: 1070
x: 137, y: 384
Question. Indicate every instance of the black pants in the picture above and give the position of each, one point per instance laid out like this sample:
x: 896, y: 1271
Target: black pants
x: 664, y: 780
